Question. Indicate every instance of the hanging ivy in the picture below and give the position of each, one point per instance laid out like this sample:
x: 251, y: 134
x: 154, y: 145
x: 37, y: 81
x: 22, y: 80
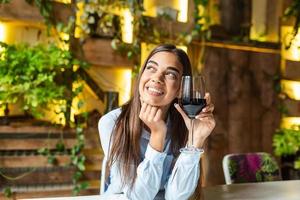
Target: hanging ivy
x: 293, y: 11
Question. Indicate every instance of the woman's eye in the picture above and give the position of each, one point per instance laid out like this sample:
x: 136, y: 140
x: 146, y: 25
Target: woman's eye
x: 171, y: 75
x: 150, y: 68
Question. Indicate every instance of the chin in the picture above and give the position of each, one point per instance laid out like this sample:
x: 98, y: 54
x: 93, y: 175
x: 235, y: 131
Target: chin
x: 157, y: 103
x: 153, y: 103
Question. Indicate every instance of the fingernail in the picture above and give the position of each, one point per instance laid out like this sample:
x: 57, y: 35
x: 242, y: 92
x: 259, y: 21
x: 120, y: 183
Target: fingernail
x: 175, y: 104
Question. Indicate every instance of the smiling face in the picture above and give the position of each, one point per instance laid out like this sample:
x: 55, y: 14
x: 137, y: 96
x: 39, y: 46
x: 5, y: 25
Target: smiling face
x: 160, y: 81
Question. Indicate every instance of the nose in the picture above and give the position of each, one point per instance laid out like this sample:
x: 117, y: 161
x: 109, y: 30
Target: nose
x: 157, y: 79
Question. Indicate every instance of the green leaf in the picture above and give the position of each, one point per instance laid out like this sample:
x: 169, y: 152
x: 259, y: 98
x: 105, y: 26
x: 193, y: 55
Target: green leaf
x: 7, y: 192
x: 60, y: 146
x: 52, y: 159
x: 43, y: 151
x: 76, y: 176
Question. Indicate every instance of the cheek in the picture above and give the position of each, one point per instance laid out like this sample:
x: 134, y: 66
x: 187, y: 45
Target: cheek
x: 142, y: 83
x: 175, y: 89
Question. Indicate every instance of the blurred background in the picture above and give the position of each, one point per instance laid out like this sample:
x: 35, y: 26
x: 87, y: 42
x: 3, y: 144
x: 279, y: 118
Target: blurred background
x: 65, y: 63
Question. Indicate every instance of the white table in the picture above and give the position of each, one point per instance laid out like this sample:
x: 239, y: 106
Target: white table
x: 92, y: 197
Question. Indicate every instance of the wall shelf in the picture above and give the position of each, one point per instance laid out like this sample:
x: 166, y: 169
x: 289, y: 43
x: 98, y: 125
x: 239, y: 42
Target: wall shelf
x: 20, y: 12
x: 99, y: 52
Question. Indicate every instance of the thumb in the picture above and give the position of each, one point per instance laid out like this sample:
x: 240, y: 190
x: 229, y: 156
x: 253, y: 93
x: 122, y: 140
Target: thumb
x: 179, y: 109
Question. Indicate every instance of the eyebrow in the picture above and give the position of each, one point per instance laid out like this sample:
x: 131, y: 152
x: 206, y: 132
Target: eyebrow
x: 169, y: 67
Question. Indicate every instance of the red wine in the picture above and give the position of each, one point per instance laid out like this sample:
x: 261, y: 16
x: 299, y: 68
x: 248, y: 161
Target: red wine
x: 192, y: 107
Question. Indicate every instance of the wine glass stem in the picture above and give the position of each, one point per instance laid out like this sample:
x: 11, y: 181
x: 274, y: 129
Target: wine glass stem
x: 192, y: 132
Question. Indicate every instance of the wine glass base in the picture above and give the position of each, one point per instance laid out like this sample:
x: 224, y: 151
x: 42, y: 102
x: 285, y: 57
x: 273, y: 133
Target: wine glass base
x: 191, y: 150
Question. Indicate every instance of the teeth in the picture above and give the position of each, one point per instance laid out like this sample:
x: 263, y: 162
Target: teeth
x: 155, y: 90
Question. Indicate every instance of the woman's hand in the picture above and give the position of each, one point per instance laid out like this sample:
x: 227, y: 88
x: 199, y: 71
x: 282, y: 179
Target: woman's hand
x: 204, y: 122
x: 153, y: 118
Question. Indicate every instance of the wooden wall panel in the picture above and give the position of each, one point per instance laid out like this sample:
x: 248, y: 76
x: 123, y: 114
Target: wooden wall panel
x: 292, y: 69
x: 242, y: 89
x: 19, y: 157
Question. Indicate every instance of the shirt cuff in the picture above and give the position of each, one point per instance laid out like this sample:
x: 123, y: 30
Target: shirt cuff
x: 190, y: 158
x: 153, y: 155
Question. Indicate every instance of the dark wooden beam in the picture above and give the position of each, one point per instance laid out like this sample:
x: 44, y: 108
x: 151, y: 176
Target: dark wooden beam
x: 92, y: 84
x: 19, y: 11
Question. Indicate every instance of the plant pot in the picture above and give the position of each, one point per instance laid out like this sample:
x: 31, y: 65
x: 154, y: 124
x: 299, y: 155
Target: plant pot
x: 288, y: 171
x: 105, y: 25
x: 236, y: 17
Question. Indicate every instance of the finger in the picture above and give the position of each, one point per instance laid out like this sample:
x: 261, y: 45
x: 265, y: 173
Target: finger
x: 208, y: 98
x: 179, y: 109
x: 152, y: 113
x: 204, y: 115
x: 208, y: 108
x: 143, y: 109
x: 148, y: 109
x: 141, y: 99
x: 158, y: 115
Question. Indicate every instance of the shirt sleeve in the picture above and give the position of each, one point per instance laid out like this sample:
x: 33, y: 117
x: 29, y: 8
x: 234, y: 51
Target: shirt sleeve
x: 148, y: 178
x: 184, y: 177
x: 149, y: 171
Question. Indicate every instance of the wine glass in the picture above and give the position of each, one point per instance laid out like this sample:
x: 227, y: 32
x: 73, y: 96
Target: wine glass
x: 192, y: 102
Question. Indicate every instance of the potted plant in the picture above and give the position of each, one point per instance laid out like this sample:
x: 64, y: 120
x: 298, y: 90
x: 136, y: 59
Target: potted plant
x: 286, y: 144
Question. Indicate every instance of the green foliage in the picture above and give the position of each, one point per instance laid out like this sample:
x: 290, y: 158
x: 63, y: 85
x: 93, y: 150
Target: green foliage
x: 232, y: 167
x: 287, y: 142
x: 79, y: 187
x: 28, y: 75
x: 297, y: 163
x: 7, y: 192
x: 268, y: 164
x: 78, y: 160
x: 293, y: 11
x: 5, y: 1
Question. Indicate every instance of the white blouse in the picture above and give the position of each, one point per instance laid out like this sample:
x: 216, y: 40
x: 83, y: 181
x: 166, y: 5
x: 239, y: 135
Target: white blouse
x: 156, y: 177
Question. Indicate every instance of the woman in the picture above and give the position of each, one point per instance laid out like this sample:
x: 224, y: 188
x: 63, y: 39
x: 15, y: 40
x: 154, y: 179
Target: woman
x: 141, y: 140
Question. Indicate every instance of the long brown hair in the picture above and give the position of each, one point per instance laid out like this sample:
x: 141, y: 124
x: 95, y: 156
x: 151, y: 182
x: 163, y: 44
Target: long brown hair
x: 127, y: 131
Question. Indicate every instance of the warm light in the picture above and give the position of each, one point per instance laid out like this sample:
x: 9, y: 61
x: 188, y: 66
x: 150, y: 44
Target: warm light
x: 80, y: 11
x: 291, y: 88
x: 183, y: 11
x: 289, y: 122
x: 2, y: 32
x: 54, y: 113
x: 258, y: 30
x: 127, y: 87
x: 150, y: 8
x: 292, y: 53
x: 64, y: 1
x: 184, y: 48
x: 127, y: 28
x: 145, y: 50
x: 65, y: 37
